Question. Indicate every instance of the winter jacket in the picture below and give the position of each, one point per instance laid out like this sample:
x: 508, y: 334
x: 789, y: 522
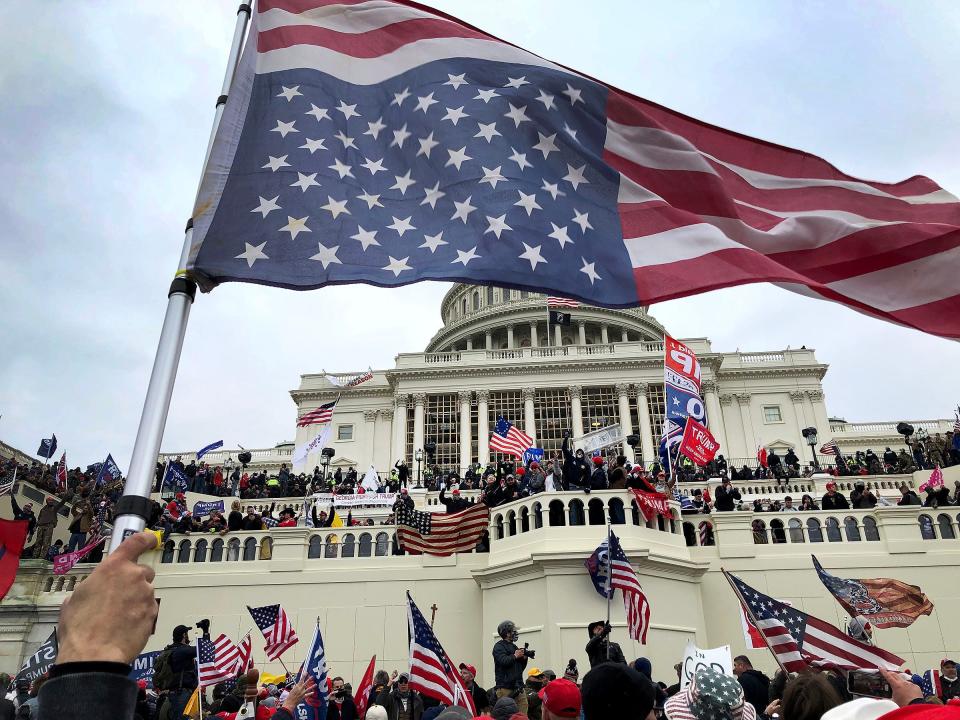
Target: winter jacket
x: 89, y: 695
x: 536, y: 481
x: 575, y: 471
x: 598, y: 479
x: 454, y: 504
x: 480, y: 698
x: 834, y: 502
x: 20, y: 514
x: 618, y: 478
x: 47, y: 517
x: 862, y: 499
x: 508, y: 669
x: 235, y: 521
x: 391, y: 700
x: 950, y: 688
x: 724, y: 499
x: 911, y: 498
x: 82, y: 517
x: 597, y: 650
x: 345, y: 711
x: 756, y: 687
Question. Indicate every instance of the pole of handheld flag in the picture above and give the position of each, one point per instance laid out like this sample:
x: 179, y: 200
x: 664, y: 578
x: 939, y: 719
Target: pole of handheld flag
x: 134, y: 507
x: 609, y: 582
x: 753, y: 619
x: 199, y: 687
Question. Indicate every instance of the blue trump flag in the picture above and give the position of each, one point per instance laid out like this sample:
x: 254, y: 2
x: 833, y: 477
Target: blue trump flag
x: 204, y: 507
x: 142, y: 667
x: 174, y: 479
x: 533, y: 455
x: 109, y: 471
x: 212, y: 446
x: 315, y: 665
x: 48, y: 446
x: 598, y: 565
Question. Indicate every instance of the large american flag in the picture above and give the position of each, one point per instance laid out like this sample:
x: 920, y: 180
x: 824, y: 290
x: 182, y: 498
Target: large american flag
x: 431, y: 670
x: 427, y: 533
x: 276, y: 628
x: 509, y: 439
x: 799, y: 640
x: 320, y: 415
x: 386, y: 143
x: 216, y: 660
x: 624, y: 577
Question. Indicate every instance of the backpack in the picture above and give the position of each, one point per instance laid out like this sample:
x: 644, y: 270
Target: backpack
x: 163, y: 675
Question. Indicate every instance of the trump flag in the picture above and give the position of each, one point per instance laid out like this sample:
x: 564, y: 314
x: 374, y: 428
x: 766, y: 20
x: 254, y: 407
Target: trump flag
x: 387, y: 143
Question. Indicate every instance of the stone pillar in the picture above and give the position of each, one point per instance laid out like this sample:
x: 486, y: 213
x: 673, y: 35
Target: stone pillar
x: 418, y: 401
x: 399, y: 428
x: 726, y: 401
x: 483, y: 427
x: 818, y: 412
x: 488, y: 337
x: 557, y: 334
x: 370, y: 416
x: 466, y: 431
x: 469, y: 343
x: 529, y: 419
x: 797, y: 397
x: 623, y: 400
x: 534, y: 340
x: 381, y: 452
x: 714, y: 414
x: 624, y: 336
x: 749, y: 439
x: 646, y: 427
x: 582, y: 328
x: 510, y: 337
x: 604, y: 335
x: 576, y: 411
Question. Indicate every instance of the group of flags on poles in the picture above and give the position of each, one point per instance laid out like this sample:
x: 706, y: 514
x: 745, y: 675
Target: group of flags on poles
x: 220, y: 659
x: 685, y: 414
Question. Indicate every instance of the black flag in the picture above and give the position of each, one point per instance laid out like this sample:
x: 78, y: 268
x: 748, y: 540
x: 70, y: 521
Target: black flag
x: 559, y: 318
x: 48, y: 446
x: 38, y: 663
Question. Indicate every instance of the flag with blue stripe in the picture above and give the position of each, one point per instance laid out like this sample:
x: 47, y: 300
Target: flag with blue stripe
x: 174, y: 479
x: 212, y: 446
x: 315, y: 665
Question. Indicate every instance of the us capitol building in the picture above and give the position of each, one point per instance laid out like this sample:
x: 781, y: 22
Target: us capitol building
x: 494, y: 355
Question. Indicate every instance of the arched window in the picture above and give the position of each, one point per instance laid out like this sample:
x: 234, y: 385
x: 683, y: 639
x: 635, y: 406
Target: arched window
x: 617, y: 515
x: 498, y: 526
x: 705, y: 532
x: 366, y: 545
x: 233, y: 550
x: 814, y: 531
x: 852, y: 529
x: 926, y: 528
x: 250, y: 549
x: 330, y: 547
x: 595, y: 514
x: 537, y: 516
x: 946, y: 527
x: 476, y: 300
x: 576, y: 512
x: 266, y: 548
x: 168, y: 550
x: 833, y: 529
x: 759, y: 532
x: 315, y: 548
x: 523, y: 294
x: 524, y: 520
x: 216, y: 551
x: 383, y: 544
x: 463, y: 307
x: 689, y: 534
x: 776, y: 531
x: 489, y: 294
x: 183, y: 553
x: 795, y: 528
x: 511, y: 523
x: 870, y: 530
x: 349, y: 546
x: 200, y: 554
x: 557, y: 514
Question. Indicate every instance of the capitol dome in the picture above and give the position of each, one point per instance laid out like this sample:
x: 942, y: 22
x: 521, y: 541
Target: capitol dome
x: 493, y: 318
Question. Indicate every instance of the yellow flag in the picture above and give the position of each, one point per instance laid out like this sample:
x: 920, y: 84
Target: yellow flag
x: 192, y: 709
x: 337, y: 522
x: 268, y: 679
x: 159, y: 536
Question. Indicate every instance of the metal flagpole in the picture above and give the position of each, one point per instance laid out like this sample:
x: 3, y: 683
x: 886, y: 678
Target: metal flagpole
x: 609, y: 588
x: 134, y: 507
x: 753, y: 619
x: 199, y: 686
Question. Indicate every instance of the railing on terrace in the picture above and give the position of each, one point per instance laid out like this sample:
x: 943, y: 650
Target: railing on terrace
x: 890, y: 428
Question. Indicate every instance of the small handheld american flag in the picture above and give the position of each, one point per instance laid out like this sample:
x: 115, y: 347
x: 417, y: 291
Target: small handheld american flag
x: 509, y: 439
x: 830, y: 448
x: 216, y: 660
x: 276, y: 628
x: 431, y: 670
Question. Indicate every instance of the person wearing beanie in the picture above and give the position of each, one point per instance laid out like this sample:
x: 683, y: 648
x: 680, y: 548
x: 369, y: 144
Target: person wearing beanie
x: 454, y: 713
x: 504, y: 708
x: 561, y: 699
x: 400, y: 701
x: 615, y: 690
x: 597, y: 647
x: 598, y: 478
x: 571, y: 672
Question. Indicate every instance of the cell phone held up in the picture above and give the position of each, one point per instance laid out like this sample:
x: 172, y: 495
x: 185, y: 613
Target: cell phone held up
x: 868, y: 683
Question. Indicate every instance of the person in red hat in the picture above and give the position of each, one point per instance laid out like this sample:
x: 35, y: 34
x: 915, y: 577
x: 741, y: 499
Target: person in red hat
x: 454, y: 504
x: 598, y: 479
x: 834, y: 500
x: 480, y: 698
x: 561, y: 699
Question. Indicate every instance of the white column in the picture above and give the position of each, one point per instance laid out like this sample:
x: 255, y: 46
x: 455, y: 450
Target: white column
x: 488, y: 337
x: 749, y: 439
x: 819, y: 412
x: 623, y: 400
x: 646, y: 427
x: 483, y: 427
x: 418, y: 400
x: 399, y: 428
x: 576, y: 410
x: 557, y: 334
x: 381, y: 451
x: 469, y: 343
x: 604, y: 335
x: 466, y: 431
x: 624, y: 336
x: 529, y: 419
x: 714, y: 415
x: 370, y: 416
x: 582, y: 328
x: 510, y: 337
x: 534, y: 340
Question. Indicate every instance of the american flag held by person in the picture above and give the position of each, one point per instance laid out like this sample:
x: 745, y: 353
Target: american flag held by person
x: 276, y: 628
x: 216, y: 660
x: 800, y: 641
x: 320, y: 415
x: 387, y: 143
x: 431, y: 670
x: 509, y: 439
x: 610, y: 570
x: 830, y: 448
x: 439, y: 534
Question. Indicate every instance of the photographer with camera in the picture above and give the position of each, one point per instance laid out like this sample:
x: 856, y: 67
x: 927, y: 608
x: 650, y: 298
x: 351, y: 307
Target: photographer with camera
x: 509, y: 662
x: 597, y: 647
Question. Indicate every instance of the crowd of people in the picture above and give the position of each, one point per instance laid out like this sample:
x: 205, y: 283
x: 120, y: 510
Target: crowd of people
x: 89, y: 678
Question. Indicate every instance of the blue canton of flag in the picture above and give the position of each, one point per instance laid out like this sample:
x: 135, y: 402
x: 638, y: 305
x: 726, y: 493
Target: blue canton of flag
x: 109, y: 471
x: 315, y: 665
x: 454, y: 169
x: 175, y: 479
x: 212, y: 446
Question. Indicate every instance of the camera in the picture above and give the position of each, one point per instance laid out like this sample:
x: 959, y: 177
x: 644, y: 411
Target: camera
x: 528, y: 652
x: 204, y: 625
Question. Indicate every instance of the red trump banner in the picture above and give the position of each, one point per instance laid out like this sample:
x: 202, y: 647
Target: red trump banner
x: 698, y: 443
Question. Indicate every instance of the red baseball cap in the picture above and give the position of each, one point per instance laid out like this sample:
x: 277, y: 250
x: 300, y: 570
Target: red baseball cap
x: 469, y: 668
x: 456, y: 491
x: 562, y: 698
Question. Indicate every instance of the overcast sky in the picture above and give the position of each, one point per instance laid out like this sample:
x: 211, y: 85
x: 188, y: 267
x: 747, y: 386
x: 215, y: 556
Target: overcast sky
x: 105, y: 116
